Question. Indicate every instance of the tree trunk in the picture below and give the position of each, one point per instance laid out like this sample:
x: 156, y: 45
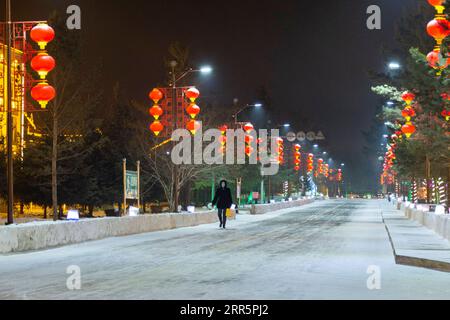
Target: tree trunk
x: 55, y: 168
x: 91, y: 211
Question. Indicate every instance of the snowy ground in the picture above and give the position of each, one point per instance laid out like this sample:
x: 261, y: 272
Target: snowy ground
x: 320, y: 251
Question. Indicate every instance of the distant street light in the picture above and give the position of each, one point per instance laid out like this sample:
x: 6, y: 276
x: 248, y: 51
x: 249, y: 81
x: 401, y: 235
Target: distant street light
x: 316, y: 146
x: 390, y: 103
x: 342, y: 164
x: 394, y: 66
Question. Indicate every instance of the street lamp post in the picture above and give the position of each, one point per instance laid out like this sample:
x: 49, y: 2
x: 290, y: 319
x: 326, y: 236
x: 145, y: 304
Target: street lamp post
x: 173, y: 65
x: 10, y: 168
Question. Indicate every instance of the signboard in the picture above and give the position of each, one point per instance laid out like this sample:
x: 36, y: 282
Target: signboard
x: 303, y: 136
x: 131, y: 185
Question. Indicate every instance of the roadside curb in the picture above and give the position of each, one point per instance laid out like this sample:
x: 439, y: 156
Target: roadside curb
x: 415, y: 261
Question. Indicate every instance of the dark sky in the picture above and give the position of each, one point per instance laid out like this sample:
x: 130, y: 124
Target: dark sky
x: 313, y: 56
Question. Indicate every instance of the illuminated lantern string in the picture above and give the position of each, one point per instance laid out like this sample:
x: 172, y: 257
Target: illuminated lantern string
x: 156, y: 111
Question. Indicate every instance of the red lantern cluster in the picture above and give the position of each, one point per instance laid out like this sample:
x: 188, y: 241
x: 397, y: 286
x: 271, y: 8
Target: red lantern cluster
x: 249, y: 128
x: 439, y: 29
x: 280, y: 153
x: 156, y: 111
x: 388, y: 173
x: 43, y: 63
x: 297, y: 157
x: 408, y: 113
x: 320, y: 167
x: 193, y: 110
x: 223, y: 138
x: 326, y: 170
x: 310, y: 163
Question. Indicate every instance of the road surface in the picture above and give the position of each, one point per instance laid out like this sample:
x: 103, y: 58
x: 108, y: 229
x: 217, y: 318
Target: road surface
x: 320, y: 251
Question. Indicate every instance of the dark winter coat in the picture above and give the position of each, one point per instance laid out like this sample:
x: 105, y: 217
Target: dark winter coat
x: 223, y: 198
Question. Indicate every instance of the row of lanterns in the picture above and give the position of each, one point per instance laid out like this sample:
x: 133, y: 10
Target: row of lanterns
x: 408, y: 113
x: 157, y: 112
x: 310, y: 163
x: 297, y: 157
x: 439, y: 29
x: 280, y: 153
x: 249, y: 128
x: 43, y: 64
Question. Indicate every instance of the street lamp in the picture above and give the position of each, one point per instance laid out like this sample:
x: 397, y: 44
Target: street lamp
x: 390, y: 103
x: 394, y: 66
x: 248, y: 106
x: 173, y: 65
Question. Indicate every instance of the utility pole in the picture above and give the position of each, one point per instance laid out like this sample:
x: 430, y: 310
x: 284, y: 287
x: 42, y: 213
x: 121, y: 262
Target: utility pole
x: 10, y: 168
x: 173, y: 65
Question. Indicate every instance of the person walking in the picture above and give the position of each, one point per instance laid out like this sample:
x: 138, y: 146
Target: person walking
x: 223, y: 200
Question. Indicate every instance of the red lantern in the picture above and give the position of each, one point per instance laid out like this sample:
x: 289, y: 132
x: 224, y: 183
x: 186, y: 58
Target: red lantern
x: 408, y: 129
x: 193, y: 110
x: 446, y: 115
x: 192, y: 94
x: 223, y: 129
x: 437, y: 61
x: 408, y: 97
x: 156, y: 95
x: 249, y: 150
x: 156, y: 127
x: 439, y: 29
x: 297, y: 147
x: 436, y: 3
x: 42, y: 34
x: 43, y: 64
x: 297, y: 168
x: 408, y: 113
x: 156, y: 112
x: 193, y: 126
x: 43, y: 93
x: 249, y: 139
x: 248, y: 127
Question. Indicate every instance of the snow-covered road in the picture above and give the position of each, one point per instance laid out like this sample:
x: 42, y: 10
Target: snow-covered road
x: 320, y: 251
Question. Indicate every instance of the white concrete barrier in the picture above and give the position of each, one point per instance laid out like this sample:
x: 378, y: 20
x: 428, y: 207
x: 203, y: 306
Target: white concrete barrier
x: 42, y: 235
x: 265, y: 208
x: 439, y: 223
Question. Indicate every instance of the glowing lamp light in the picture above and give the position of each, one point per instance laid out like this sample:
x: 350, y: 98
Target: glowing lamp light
x: 192, y: 94
x: 43, y: 93
x: 43, y: 64
x: 436, y: 3
x: 156, y: 95
x: 156, y: 127
x: 156, y: 112
x: 42, y: 34
x: 297, y: 147
x: 193, y: 126
x: 193, y: 110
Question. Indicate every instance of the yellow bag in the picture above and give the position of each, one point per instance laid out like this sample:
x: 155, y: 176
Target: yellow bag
x: 229, y: 213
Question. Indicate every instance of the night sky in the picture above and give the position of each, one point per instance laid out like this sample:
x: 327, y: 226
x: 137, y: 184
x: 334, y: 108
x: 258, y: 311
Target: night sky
x: 313, y: 56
